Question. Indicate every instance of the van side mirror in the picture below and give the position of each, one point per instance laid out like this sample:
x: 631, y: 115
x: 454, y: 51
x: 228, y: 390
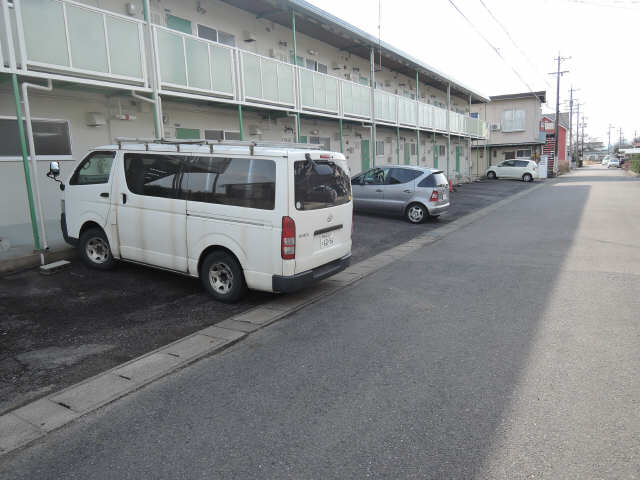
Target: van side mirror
x: 54, y: 170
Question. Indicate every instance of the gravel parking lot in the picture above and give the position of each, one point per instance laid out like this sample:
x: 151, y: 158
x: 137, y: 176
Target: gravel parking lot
x: 57, y: 330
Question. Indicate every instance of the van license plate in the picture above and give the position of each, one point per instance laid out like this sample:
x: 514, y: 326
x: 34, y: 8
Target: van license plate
x: 327, y: 240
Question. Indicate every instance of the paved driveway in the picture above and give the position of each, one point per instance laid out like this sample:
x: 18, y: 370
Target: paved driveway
x: 57, y: 330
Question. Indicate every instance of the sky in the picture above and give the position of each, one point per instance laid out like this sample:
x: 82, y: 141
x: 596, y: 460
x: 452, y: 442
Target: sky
x: 600, y: 36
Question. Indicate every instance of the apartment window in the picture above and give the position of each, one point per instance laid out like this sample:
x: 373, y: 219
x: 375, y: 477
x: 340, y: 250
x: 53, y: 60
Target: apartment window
x: 240, y: 182
x: 364, y: 80
x: 379, y: 148
x: 513, y: 120
x: 509, y: 155
x: 322, y: 68
x: 312, y: 64
x: 523, y: 153
x: 214, y: 35
x: 441, y: 150
x: 51, y: 138
x: 221, y: 135
x: 473, y: 114
x: 180, y: 24
x: 231, y: 135
x: 324, y: 141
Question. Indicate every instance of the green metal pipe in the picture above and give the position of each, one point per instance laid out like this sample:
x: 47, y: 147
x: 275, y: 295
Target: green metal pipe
x: 298, y: 126
x: 398, y: 144
x: 25, y: 162
x: 154, y: 95
x: 418, y: 118
x: 341, y: 147
x: 240, y: 122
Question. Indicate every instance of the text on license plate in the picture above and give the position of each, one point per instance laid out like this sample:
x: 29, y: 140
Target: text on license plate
x: 327, y: 240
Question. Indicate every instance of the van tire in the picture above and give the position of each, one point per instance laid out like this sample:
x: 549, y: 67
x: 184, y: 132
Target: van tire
x: 95, y: 250
x: 527, y: 177
x: 416, y: 213
x: 222, y: 276
x: 491, y: 175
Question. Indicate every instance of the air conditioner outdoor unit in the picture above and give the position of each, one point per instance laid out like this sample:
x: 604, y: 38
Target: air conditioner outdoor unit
x: 495, y: 127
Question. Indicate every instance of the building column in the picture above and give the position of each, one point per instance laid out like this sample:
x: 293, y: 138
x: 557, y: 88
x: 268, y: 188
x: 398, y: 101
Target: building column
x: 295, y: 63
x: 372, y: 102
x: 340, y: 124
x: 448, y: 126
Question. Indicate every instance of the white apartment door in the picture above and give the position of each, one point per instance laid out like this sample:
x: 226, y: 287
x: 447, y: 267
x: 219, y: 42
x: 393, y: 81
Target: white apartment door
x: 152, y: 220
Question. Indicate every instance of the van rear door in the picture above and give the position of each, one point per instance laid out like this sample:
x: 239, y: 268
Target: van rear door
x: 321, y: 207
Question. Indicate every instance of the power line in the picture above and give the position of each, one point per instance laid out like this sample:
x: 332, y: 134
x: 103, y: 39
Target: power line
x: 522, y: 52
x: 494, y: 49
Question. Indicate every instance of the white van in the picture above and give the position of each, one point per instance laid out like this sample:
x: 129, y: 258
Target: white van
x: 267, y: 216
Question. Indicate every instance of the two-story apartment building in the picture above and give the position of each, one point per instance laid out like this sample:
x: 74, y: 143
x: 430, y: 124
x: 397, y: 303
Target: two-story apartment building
x: 514, y: 129
x: 235, y: 69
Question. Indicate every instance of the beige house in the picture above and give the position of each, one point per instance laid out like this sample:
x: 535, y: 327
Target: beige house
x: 514, y: 127
x: 213, y: 69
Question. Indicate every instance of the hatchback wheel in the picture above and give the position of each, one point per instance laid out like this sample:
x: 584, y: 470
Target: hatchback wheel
x: 416, y: 213
x: 222, y: 277
x: 527, y: 177
x: 491, y: 175
x: 95, y: 250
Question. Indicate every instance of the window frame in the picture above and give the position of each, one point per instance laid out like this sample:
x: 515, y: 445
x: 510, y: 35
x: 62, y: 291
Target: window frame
x: 380, y: 152
x: 13, y: 158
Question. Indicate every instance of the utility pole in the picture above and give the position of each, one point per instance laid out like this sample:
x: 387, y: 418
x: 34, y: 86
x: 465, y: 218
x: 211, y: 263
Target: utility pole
x: 583, y: 125
x: 577, y: 129
x: 621, y: 139
x: 571, y: 121
x: 609, y: 144
x: 558, y: 74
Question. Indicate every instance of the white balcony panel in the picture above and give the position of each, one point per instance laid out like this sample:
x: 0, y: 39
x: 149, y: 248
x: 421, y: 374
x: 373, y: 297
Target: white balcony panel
x: 87, y: 39
x: 267, y: 80
x: 318, y: 91
x: 172, y: 62
x: 356, y: 99
x: 65, y: 36
x: 221, y: 68
x: 385, y: 106
x: 44, y: 32
x: 407, y: 111
x: 198, y: 71
x: 124, y: 47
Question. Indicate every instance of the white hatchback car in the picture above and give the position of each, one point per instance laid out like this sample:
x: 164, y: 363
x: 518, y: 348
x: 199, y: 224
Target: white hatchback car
x: 271, y: 217
x: 521, y: 168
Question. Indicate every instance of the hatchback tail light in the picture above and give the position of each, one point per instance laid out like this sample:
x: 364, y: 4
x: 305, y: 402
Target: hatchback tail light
x: 434, y: 196
x: 288, y: 245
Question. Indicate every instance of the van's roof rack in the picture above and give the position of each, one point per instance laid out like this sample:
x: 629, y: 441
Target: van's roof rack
x: 211, y: 143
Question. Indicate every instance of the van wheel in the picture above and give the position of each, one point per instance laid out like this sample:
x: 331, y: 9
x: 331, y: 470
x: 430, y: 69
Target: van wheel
x: 527, y: 177
x: 416, y: 213
x: 222, y: 277
x: 95, y: 250
x: 491, y: 175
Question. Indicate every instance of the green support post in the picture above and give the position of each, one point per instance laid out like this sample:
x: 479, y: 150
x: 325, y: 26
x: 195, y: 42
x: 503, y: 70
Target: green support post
x: 418, y: 118
x: 298, y: 125
x: 240, y: 122
x: 341, y: 147
x: 398, y: 144
x: 154, y: 94
x: 25, y: 162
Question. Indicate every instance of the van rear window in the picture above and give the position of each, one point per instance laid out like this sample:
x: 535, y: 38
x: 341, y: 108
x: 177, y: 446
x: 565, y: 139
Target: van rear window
x: 320, y: 184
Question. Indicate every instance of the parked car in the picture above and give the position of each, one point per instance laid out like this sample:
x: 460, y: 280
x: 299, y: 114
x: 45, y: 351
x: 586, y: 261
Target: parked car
x: 412, y: 191
x: 522, y: 168
x: 613, y: 162
x: 260, y: 216
x: 605, y: 160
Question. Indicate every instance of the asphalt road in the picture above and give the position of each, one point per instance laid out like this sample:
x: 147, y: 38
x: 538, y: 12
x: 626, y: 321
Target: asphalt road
x: 509, y: 349
x: 58, y: 330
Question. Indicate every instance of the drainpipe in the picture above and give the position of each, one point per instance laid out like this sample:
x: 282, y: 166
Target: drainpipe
x: 418, y: 117
x: 340, y: 123
x: 25, y: 165
x: 295, y: 60
x: 448, y: 126
x: 157, y: 117
x: 34, y: 157
x: 295, y: 115
x: 240, y: 122
x: 372, y: 103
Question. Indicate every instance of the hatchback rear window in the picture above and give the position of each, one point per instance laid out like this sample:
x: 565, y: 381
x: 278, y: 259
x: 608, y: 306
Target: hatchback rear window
x: 320, y: 184
x: 434, y: 180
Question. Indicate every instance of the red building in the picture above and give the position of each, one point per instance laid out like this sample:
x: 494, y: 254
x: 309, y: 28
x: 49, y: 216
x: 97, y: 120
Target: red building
x: 547, y: 125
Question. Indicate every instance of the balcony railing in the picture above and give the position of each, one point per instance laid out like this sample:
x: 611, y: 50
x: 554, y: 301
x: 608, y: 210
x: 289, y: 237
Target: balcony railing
x: 192, y: 64
x: 67, y: 38
x: 80, y: 40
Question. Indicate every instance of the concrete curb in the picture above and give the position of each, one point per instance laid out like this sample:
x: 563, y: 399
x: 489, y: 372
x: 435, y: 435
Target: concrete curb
x: 22, y: 426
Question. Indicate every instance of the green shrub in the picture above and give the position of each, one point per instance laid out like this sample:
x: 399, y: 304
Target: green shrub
x: 635, y: 163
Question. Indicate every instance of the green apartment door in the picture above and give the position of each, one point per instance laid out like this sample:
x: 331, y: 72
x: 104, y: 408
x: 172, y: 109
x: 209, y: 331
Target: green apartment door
x: 458, y: 153
x: 435, y: 156
x: 407, y: 153
x: 188, y: 133
x: 364, y: 152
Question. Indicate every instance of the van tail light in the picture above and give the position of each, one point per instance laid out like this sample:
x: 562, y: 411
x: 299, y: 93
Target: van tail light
x: 288, y: 245
x: 434, y: 196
